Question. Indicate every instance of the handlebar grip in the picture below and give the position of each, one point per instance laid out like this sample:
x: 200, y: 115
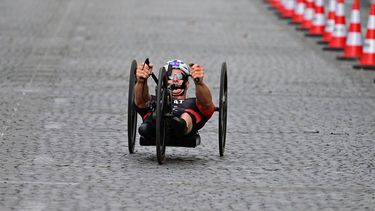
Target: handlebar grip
x: 147, y: 62
x: 195, y: 79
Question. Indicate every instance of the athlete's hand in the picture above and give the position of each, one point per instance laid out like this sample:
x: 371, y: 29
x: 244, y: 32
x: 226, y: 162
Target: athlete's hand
x: 143, y: 72
x: 197, y: 72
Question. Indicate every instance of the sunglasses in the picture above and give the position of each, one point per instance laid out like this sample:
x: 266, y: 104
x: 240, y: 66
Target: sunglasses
x: 179, y: 76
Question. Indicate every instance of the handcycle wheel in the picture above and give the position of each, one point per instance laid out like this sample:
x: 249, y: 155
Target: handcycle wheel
x: 223, y: 108
x: 162, y: 96
x: 132, y: 114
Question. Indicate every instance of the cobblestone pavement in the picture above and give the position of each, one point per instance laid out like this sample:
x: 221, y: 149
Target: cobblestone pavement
x: 301, y: 125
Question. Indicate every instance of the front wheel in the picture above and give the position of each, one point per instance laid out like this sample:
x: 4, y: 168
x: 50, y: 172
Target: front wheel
x: 161, y: 111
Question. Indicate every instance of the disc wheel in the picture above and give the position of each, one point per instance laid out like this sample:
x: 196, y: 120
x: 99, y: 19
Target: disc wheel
x: 132, y: 114
x: 223, y: 109
x: 161, y: 111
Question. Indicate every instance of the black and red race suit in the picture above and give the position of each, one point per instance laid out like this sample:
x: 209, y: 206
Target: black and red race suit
x: 188, y: 105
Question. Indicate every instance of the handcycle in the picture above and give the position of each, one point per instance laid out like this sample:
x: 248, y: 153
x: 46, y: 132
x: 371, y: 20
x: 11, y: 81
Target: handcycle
x: 163, y: 108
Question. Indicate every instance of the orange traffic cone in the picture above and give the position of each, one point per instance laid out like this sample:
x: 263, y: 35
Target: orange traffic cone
x: 338, y: 40
x: 281, y: 7
x: 353, y: 47
x: 299, y: 9
x: 368, y: 57
x: 317, y: 28
x: 330, y: 22
x: 286, y: 10
x: 289, y: 9
x: 308, y: 16
x: 275, y: 4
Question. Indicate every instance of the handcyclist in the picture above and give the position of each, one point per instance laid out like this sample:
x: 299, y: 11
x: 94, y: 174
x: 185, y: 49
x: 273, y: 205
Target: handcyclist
x: 190, y: 114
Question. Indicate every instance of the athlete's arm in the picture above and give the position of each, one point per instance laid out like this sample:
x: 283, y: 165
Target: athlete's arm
x: 141, y: 92
x: 202, y: 92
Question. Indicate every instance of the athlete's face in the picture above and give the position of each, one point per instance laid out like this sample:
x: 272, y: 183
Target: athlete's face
x: 177, y: 77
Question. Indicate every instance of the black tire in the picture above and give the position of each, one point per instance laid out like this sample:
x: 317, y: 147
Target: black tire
x: 223, y: 109
x: 161, y: 111
x: 132, y: 114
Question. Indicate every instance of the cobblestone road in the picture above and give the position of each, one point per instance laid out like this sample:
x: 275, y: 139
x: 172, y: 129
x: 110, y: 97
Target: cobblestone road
x: 301, y: 126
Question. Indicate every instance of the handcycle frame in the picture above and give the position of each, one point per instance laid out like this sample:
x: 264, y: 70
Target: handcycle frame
x: 163, y: 111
